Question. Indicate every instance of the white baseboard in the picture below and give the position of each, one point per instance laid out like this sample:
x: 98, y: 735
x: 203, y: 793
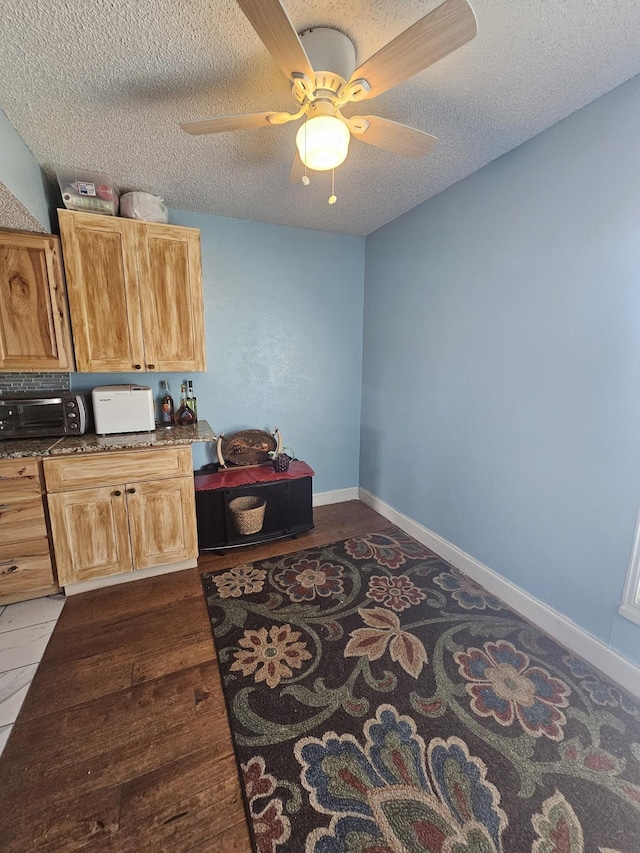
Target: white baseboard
x: 560, y: 627
x: 138, y: 574
x: 337, y: 496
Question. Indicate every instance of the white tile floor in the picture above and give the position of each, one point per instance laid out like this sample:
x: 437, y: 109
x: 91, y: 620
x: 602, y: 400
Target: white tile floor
x: 25, y: 629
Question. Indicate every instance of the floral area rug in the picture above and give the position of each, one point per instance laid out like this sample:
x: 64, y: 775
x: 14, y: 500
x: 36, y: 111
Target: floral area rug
x: 381, y: 702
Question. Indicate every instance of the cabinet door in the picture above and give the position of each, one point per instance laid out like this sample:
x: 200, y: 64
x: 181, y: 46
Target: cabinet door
x: 162, y: 521
x: 34, y: 325
x: 170, y: 279
x: 102, y: 282
x: 90, y: 533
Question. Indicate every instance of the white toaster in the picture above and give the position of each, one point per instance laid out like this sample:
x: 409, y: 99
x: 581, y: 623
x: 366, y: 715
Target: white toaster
x: 123, y: 408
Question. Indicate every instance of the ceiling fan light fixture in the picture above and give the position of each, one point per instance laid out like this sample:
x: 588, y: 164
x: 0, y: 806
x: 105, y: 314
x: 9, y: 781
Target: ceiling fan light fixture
x: 323, y: 142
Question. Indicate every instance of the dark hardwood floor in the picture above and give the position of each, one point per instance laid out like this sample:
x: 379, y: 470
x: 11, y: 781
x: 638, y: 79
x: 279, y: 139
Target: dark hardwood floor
x: 122, y: 743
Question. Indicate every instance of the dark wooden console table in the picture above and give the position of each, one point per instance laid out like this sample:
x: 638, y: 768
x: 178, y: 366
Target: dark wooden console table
x: 288, y: 496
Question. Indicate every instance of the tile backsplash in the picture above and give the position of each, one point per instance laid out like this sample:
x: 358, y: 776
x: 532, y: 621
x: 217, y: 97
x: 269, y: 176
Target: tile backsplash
x: 27, y: 383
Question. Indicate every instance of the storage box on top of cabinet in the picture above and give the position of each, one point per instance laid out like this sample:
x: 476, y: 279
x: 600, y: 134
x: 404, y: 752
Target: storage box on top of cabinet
x: 135, y: 294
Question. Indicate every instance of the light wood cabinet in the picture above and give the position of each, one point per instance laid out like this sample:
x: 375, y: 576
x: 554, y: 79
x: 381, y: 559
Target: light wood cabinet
x: 135, y: 294
x: 34, y: 322
x: 115, y: 513
x: 25, y: 559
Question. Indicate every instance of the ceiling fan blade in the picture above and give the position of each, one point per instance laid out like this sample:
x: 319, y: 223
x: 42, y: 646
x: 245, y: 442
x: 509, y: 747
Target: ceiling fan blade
x: 220, y: 124
x: 433, y: 37
x: 272, y: 24
x: 391, y: 136
x: 297, y: 169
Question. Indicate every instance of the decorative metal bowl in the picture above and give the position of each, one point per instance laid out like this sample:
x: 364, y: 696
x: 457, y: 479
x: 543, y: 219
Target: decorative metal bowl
x: 247, y: 447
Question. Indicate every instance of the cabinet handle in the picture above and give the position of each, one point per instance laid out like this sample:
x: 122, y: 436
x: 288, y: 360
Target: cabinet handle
x: 5, y: 506
x: 138, y: 366
x: 116, y: 494
x: 151, y: 366
x: 131, y: 491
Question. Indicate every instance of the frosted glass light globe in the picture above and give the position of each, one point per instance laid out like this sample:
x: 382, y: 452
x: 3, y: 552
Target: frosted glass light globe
x: 323, y: 142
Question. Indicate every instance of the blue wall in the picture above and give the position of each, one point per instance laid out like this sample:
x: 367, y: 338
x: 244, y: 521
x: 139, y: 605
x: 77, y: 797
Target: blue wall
x: 283, y: 314
x: 20, y: 172
x: 501, y: 379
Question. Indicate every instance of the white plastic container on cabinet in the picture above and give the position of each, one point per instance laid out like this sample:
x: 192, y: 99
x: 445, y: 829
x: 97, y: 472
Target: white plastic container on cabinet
x: 90, y: 192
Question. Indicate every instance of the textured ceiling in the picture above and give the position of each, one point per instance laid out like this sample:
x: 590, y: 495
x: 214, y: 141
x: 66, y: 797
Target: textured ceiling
x: 102, y: 86
x: 14, y: 215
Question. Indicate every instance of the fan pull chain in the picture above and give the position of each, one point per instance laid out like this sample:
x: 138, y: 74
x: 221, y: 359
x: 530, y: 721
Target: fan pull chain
x: 333, y: 198
x: 305, y: 177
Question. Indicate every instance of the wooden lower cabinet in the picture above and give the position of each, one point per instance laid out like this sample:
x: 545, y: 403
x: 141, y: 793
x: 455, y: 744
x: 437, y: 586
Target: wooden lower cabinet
x: 25, y: 559
x: 115, y: 527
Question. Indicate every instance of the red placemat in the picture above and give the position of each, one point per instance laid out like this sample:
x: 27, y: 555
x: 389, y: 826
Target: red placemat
x: 231, y: 477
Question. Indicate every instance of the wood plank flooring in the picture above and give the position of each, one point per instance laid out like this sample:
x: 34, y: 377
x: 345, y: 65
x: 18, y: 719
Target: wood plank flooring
x: 122, y: 744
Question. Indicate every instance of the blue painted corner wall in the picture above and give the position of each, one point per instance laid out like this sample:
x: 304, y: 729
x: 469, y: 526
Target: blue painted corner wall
x: 475, y: 364
x: 501, y: 366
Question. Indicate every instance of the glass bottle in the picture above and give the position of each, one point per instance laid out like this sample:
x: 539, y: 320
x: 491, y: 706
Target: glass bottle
x: 191, y: 401
x: 166, y: 406
x: 184, y: 415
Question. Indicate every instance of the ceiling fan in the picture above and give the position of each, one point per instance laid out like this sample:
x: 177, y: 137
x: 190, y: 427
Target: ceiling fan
x: 321, y: 64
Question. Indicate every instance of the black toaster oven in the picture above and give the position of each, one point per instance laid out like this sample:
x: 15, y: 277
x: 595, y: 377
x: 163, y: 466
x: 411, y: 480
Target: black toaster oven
x: 48, y: 413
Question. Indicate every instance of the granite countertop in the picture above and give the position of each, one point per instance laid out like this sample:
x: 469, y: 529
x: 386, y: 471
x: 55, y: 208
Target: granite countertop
x: 91, y: 443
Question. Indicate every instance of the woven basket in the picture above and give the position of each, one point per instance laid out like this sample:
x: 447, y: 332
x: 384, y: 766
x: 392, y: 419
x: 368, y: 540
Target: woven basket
x: 247, y: 514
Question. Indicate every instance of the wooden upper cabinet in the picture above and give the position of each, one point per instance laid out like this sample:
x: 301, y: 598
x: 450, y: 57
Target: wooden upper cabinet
x: 135, y: 294
x: 34, y: 323
x: 171, y: 298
